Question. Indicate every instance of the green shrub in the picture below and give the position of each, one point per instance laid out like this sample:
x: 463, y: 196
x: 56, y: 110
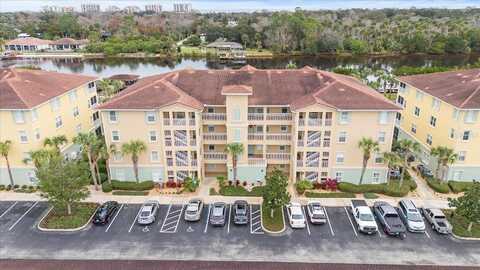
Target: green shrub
x: 213, y: 192
x: 130, y: 193
x: 311, y: 194
x: 302, y: 185
x: 352, y: 188
x: 24, y: 187
x: 2, y: 187
x: 368, y: 195
x: 129, y: 185
x: 438, y: 186
x: 8, y: 188
x: 106, y: 187
x: 458, y: 187
x: 191, y: 184
x: 241, y: 191
x: 221, y: 181
x: 16, y: 186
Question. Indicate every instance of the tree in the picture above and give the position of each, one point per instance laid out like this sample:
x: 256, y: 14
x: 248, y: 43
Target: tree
x: 63, y: 182
x: 445, y: 156
x: 5, y: 148
x: 405, y: 149
x: 56, y: 142
x: 234, y: 149
x: 89, y: 143
x: 134, y: 148
x: 468, y: 205
x: 275, y: 194
x: 393, y: 160
x: 108, y: 88
x: 291, y: 65
x: 456, y: 44
x: 368, y: 146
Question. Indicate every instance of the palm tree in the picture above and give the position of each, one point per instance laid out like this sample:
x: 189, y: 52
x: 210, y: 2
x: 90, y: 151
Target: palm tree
x: 55, y: 142
x: 234, y: 149
x: 445, y: 156
x: 367, y: 145
x: 393, y: 160
x: 405, y: 149
x: 89, y: 143
x: 111, y: 151
x: 134, y: 148
x: 38, y: 157
x: 4, y: 151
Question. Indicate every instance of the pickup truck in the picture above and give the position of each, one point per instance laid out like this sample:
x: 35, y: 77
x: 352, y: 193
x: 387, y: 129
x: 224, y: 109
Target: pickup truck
x: 364, y: 217
x: 437, y: 220
x: 389, y: 219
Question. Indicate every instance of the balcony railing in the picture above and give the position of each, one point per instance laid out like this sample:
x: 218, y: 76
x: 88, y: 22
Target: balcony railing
x: 215, y: 156
x: 194, y: 163
x: 315, y: 122
x: 301, y: 122
x: 325, y: 163
x: 168, y: 142
x: 300, y: 143
x: 255, y: 116
x: 278, y: 156
x: 215, y: 136
x: 255, y: 136
x: 328, y: 122
x: 180, y: 142
x: 313, y: 162
x: 214, y: 116
x: 299, y: 163
x: 279, y: 116
x: 257, y: 162
x: 193, y: 142
x: 326, y: 143
x: 315, y: 143
x: 166, y: 122
x: 279, y: 137
x: 179, y: 122
x: 181, y: 163
x: 191, y: 122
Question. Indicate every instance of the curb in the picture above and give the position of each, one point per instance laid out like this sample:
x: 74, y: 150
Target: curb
x: 268, y: 231
x: 64, y: 230
x: 464, y: 238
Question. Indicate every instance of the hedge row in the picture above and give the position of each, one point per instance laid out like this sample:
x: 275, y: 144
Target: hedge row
x: 438, y: 186
x: 127, y: 185
x: 392, y: 189
x: 130, y: 193
x: 458, y: 187
x: 311, y: 194
x: 241, y: 191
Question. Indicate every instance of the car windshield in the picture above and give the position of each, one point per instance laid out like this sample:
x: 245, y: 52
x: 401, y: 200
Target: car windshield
x: 414, y: 216
x: 217, y: 211
x: 191, y: 212
x: 391, y: 215
x: 241, y: 209
x: 145, y: 213
x: 366, y: 217
x: 440, y: 217
x: 297, y: 216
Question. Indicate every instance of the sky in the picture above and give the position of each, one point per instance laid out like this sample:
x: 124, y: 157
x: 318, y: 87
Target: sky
x: 243, y: 5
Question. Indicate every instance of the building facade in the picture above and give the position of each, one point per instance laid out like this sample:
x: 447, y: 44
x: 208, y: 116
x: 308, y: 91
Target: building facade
x: 441, y: 109
x: 31, y: 44
x: 305, y: 122
x: 36, y: 105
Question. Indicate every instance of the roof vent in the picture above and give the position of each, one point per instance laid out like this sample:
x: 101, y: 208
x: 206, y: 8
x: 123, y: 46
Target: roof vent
x: 449, y: 94
x: 156, y: 86
x: 341, y: 89
x: 427, y: 87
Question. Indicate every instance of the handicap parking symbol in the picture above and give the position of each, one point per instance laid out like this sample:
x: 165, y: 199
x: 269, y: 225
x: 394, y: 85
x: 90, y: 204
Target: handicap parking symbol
x: 145, y: 229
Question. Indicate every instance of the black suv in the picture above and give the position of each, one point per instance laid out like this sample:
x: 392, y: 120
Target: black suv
x: 105, y: 212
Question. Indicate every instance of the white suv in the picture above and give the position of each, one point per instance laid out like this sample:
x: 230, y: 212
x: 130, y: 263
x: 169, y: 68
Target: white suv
x: 296, y: 218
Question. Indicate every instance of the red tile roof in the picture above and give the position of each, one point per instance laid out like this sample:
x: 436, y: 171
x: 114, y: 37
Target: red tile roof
x: 236, y: 89
x: 69, y: 41
x: 460, y: 88
x: 25, y: 89
x: 298, y: 88
x: 30, y: 41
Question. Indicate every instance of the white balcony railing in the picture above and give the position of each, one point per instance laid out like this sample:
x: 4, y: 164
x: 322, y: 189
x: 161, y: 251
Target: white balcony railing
x: 194, y: 163
x: 215, y: 156
x: 166, y: 122
x: 191, y: 122
x: 255, y: 136
x: 279, y: 116
x: 301, y: 122
x: 279, y: 137
x: 313, y: 162
x: 300, y: 143
x: 328, y: 122
x: 315, y: 122
x: 179, y: 122
x: 299, y: 163
x: 215, y: 136
x: 214, y: 116
x: 257, y: 162
x: 255, y: 116
x: 193, y: 142
x: 315, y: 143
x: 278, y: 156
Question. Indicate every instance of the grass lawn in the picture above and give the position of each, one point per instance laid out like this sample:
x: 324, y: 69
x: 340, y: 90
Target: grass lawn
x: 241, y: 191
x: 310, y: 194
x: 460, y: 226
x: 57, y: 218
x: 274, y: 224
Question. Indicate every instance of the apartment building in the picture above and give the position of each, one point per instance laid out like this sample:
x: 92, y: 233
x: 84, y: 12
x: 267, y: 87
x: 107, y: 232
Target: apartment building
x: 306, y: 122
x: 35, y: 105
x: 441, y: 109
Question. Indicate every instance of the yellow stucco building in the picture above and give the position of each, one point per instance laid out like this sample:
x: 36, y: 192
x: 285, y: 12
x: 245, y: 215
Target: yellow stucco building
x: 441, y: 109
x: 35, y: 105
x: 305, y: 122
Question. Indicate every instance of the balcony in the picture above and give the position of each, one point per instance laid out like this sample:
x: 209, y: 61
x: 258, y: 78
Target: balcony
x: 257, y: 162
x: 255, y: 116
x: 215, y: 136
x: 279, y: 136
x: 314, y: 122
x: 256, y: 136
x: 278, y: 156
x: 301, y: 122
x: 215, y: 156
x: 194, y: 163
x: 191, y: 122
x: 279, y: 117
x: 193, y: 142
x: 315, y: 143
x: 214, y: 116
x: 179, y: 122
x: 300, y: 143
x: 299, y: 163
x: 328, y: 122
x: 313, y: 162
x: 326, y: 143
x: 166, y: 122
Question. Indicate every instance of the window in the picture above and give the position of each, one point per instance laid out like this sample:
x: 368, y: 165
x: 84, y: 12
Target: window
x: 466, y: 135
x: 340, y: 158
x: 78, y: 128
x: 36, y: 134
x: 401, y: 101
x: 156, y: 176
x: 34, y: 115
x: 429, y: 139
x: 58, y: 121
x: 344, y: 117
x: 461, y: 156
x: 154, y: 156
x: 91, y: 85
x: 152, y: 136
x: 237, y: 134
x: 113, y: 116
x: 378, y: 158
x: 419, y: 95
x: 414, y: 129
x: 284, y: 129
x: 23, y: 136
x: 416, y: 111
x: 433, y: 121
x: 375, y: 177
x: 95, y: 116
x: 455, y: 114
x: 383, y: 118
x: 72, y: 96
x: 435, y: 104
x: 236, y: 114
x: 18, y: 117
x: 75, y: 111
x: 452, y: 133
x: 151, y: 117
x: 282, y: 148
x: 284, y: 110
x: 211, y: 147
x: 211, y: 110
x: 211, y: 129
x: 339, y: 176
x: 342, y: 137
x: 118, y: 156
x: 120, y: 174
x: 470, y: 117
x: 115, y: 136
x: 381, y: 136
x: 55, y: 104
x: 93, y: 100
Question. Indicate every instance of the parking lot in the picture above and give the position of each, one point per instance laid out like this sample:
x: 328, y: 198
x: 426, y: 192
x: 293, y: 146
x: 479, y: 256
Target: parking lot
x: 18, y: 221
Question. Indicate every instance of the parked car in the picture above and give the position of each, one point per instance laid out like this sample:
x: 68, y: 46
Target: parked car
x: 105, y: 212
x: 296, y: 218
x: 437, y: 219
x: 411, y: 216
x: 389, y: 219
x: 316, y: 213
x: 193, y: 211
x: 364, y: 217
x: 424, y: 171
x: 240, y: 212
x: 148, y: 212
x: 218, y: 214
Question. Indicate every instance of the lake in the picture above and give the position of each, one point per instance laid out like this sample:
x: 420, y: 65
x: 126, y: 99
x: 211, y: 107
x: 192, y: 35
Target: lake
x: 150, y: 66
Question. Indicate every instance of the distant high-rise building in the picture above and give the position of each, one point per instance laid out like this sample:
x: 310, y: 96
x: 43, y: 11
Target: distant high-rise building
x: 90, y: 8
x: 154, y: 8
x: 58, y: 9
x: 112, y: 9
x: 182, y: 7
x: 131, y: 9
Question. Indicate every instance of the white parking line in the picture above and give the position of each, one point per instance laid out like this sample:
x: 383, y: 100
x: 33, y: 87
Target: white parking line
x: 229, y: 218
x: 349, y: 219
x: 208, y: 218
x: 24, y: 214
x: 135, y: 220
x: 9, y: 208
x: 170, y: 219
x: 328, y: 220
x: 306, y: 221
x: 113, y: 220
x: 427, y: 234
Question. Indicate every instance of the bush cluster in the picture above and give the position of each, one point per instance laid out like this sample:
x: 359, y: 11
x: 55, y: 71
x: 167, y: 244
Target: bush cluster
x: 458, y: 187
x: 131, y: 185
x: 438, y: 186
